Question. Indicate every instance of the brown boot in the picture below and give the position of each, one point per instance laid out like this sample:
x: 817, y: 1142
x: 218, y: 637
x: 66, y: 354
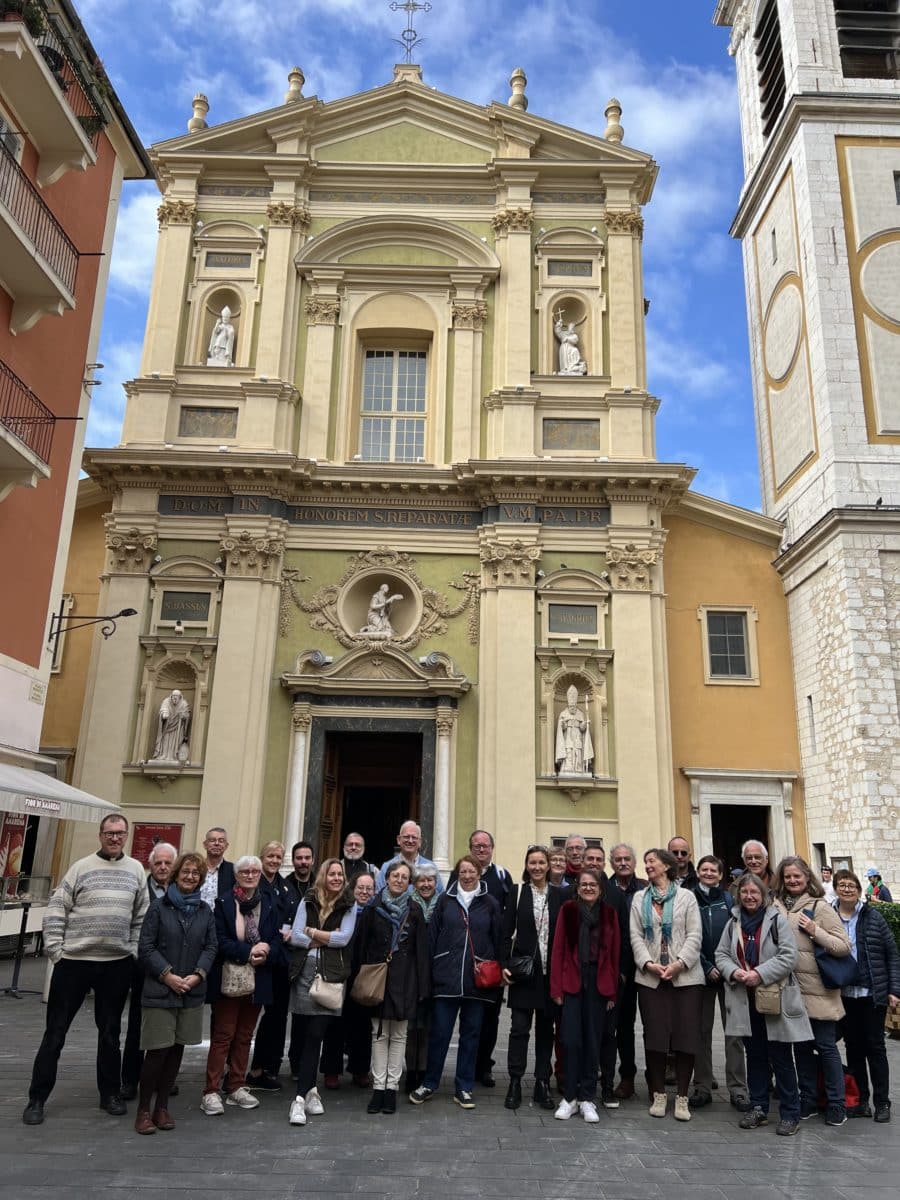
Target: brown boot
x: 143, y: 1122
x: 162, y: 1119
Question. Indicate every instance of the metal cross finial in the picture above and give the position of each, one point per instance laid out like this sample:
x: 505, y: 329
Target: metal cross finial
x: 409, y: 39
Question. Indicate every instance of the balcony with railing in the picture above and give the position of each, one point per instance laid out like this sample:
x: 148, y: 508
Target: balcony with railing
x: 26, y: 434
x: 59, y: 100
x: 38, y: 262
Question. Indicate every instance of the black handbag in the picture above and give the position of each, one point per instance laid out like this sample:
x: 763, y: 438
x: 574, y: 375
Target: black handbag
x: 521, y: 968
x: 836, y: 971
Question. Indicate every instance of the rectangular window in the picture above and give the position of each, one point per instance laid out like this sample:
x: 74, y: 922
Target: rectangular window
x: 729, y: 644
x: 393, y: 406
x: 869, y: 38
x: 769, y: 66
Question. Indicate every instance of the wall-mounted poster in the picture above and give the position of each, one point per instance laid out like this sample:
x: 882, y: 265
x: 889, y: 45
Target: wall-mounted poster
x: 146, y: 835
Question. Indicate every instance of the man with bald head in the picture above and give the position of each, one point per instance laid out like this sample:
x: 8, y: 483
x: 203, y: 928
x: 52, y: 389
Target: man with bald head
x: 409, y: 841
x: 680, y: 848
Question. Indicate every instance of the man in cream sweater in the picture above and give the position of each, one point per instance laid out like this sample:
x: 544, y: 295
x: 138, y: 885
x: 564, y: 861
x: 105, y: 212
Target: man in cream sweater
x: 91, y: 931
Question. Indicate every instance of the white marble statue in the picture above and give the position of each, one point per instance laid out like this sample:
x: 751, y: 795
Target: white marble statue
x: 571, y: 361
x: 574, y: 748
x: 378, y: 618
x: 172, y: 730
x: 221, y: 342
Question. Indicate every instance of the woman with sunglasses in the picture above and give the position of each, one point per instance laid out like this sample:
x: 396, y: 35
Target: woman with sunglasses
x: 529, y: 920
x: 584, y: 976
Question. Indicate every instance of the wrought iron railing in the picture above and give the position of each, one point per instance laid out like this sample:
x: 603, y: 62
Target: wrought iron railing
x: 30, y: 212
x: 84, y: 95
x: 24, y: 415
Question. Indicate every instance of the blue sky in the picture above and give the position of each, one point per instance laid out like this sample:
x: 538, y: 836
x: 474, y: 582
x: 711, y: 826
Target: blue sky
x: 663, y: 59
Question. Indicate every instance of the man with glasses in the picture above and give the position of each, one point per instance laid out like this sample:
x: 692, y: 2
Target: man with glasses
x: 626, y: 884
x: 755, y: 858
x: 91, y: 930
x: 409, y: 839
x: 687, y: 876
x: 219, y: 873
x: 575, y: 847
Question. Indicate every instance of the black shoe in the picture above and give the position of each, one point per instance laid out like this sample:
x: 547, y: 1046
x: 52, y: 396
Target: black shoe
x: 262, y: 1083
x: 807, y: 1111
x: 786, y: 1128
x: 128, y: 1091
x: 882, y: 1113
x: 608, y: 1098
x: 741, y: 1103
x: 390, y: 1103
x: 487, y: 1079
x: 753, y: 1119
x: 173, y: 1090
x: 464, y: 1099
x: 859, y: 1110
x: 34, y: 1113
x: 699, y: 1100
x: 542, y: 1097
x: 420, y: 1094
x: 114, y: 1105
x: 376, y: 1104
x: 513, y: 1094
x: 835, y: 1114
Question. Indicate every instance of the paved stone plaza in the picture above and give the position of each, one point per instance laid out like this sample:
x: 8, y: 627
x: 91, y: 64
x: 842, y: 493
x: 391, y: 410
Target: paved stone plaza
x: 435, y: 1152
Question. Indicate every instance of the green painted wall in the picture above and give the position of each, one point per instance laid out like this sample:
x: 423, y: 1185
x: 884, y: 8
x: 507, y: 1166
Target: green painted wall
x: 401, y: 142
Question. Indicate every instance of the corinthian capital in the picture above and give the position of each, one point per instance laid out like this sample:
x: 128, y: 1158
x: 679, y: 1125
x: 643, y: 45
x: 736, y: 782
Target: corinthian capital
x: 323, y: 310
x: 629, y: 566
x: 252, y: 556
x: 129, y: 550
x: 625, y: 222
x: 176, y: 212
x: 512, y: 220
x: 280, y: 212
x: 469, y: 314
x: 509, y: 564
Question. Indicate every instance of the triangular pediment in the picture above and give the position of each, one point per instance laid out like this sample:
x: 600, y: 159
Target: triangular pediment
x: 375, y: 670
x: 402, y: 140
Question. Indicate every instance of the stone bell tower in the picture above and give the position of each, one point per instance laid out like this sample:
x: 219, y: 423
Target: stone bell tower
x: 819, y: 220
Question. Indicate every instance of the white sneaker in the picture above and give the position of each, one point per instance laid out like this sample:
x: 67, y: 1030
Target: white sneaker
x: 658, y: 1105
x: 298, y: 1111
x: 212, y: 1105
x: 682, y: 1109
x: 567, y: 1108
x: 314, y: 1105
x: 589, y: 1111
x: 242, y: 1098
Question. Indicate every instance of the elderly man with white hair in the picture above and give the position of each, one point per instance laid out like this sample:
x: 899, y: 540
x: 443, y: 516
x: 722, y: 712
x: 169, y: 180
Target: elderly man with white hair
x: 755, y: 858
x: 409, y: 840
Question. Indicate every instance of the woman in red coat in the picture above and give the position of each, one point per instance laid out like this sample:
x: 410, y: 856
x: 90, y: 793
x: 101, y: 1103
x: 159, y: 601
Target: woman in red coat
x: 584, y: 974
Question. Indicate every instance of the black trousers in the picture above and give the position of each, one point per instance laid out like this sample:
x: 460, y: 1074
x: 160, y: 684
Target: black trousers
x: 626, y: 1018
x: 351, y: 1033
x: 132, y: 1056
x: 517, y: 1050
x: 72, y: 980
x: 487, y: 1039
x: 268, y: 1048
x: 863, y: 1030
x: 581, y: 1032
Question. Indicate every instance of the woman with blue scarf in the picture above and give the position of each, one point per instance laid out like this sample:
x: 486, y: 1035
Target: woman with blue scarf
x: 176, y: 951
x: 392, y: 929
x: 666, y: 936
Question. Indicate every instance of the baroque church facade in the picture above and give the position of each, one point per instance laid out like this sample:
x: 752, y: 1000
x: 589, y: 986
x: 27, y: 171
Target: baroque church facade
x: 388, y: 507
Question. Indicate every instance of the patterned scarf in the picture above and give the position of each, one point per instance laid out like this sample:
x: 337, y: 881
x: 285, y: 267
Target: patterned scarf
x: 666, y: 897
x: 248, y: 903
x: 427, y: 906
x: 396, y: 909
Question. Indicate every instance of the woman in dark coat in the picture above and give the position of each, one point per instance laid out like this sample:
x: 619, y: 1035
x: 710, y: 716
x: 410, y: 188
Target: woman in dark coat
x: 465, y: 925
x: 584, y: 978
x: 866, y: 1002
x: 176, y: 952
x: 248, y: 931
x: 529, y: 920
x: 393, y: 930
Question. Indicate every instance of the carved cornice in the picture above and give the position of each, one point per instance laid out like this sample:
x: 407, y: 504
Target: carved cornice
x: 382, y: 670
x: 629, y: 566
x: 512, y: 220
x: 176, y: 212
x: 625, y: 222
x: 739, y: 31
x: 469, y: 314
x: 509, y: 564
x: 250, y: 556
x: 281, y: 213
x: 128, y: 551
x: 323, y: 310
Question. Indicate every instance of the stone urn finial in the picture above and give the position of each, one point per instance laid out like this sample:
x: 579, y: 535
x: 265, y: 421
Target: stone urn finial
x: 517, y: 82
x: 201, y: 108
x: 613, y: 113
x: 296, y: 80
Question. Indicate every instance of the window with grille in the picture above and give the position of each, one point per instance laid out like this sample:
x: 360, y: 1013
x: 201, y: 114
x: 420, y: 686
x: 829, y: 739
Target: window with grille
x: 769, y: 66
x: 392, y: 424
x: 869, y: 38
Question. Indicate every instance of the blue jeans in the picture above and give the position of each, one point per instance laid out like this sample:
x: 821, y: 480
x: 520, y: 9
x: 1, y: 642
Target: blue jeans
x: 444, y: 1011
x: 825, y: 1047
x: 760, y: 1052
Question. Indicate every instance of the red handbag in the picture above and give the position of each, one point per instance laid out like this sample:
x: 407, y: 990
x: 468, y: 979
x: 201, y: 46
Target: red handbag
x: 488, y: 972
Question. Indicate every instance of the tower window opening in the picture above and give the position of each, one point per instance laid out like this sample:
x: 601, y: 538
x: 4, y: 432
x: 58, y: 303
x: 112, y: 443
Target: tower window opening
x: 770, y: 66
x: 869, y: 38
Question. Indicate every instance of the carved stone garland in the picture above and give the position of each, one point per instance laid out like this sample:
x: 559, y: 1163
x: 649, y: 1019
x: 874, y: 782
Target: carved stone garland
x: 436, y: 607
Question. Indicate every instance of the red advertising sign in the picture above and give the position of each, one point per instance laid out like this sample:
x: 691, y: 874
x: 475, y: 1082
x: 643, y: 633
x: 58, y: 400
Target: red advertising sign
x: 12, y: 842
x: 145, y: 836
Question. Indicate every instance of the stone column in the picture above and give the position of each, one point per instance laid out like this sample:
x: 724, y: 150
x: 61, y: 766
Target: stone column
x: 469, y: 316
x: 301, y: 720
x: 287, y: 224
x: 166, y: 313
x: 235, y: 759
x: 506, y: 662
x: 513, y: 324
x: 322, y: 313
x: 627, y: 365
x: 445, y: 722
x: 114, y: 673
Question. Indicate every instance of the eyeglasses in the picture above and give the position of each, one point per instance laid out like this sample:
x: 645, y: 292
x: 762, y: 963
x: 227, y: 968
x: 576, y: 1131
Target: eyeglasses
x: 114, y: 833
x: 681, y: 853
x: 590, y: 886
x: 847, y: 885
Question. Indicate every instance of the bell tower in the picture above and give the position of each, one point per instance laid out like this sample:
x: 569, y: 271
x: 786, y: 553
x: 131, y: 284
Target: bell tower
x: 819, y: 221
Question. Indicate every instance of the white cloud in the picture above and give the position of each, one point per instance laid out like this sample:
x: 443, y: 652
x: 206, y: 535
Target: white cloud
x: 122, y: 362
x: 134, y: 248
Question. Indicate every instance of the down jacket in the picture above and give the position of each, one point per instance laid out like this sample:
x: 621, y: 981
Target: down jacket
x: 777, y: 960
x: 183, y: 945
x: 452, y: 966
x: 877, y: 955
x: 715, y: 913
x: 822, y: 1003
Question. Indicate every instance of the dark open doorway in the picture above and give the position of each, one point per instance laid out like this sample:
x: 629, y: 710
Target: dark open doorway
x: 734, y: 824
x: 372, y: 784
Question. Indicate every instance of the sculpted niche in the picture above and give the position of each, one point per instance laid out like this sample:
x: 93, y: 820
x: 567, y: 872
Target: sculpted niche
x: 574, y: 745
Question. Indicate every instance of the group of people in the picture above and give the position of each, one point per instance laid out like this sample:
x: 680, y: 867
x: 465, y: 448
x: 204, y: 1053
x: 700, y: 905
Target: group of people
x: 383, y: 965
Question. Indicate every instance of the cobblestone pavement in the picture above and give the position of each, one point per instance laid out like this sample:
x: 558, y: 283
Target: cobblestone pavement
x: 437, y: 1151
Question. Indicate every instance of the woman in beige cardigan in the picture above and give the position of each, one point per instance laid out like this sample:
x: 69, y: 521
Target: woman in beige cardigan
x: 666, y: 935
x: 800, y: 895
